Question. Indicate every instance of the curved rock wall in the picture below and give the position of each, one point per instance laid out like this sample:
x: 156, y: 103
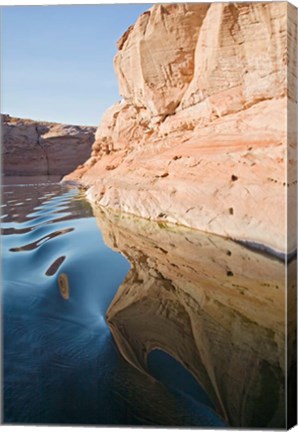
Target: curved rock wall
x: 202, y: 136
x: 41, y: 148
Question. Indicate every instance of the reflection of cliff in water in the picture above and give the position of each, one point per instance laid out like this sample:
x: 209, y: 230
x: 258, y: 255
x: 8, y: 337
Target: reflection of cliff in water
x: 215, y: 306
x: 22, y: 195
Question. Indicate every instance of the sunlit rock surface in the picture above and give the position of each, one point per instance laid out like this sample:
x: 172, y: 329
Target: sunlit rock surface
x: 201, y: 133
x: 215, y: 306
x: 41, y: 148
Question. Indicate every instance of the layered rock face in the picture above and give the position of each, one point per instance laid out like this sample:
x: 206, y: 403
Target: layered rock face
x: 217, y: 307
x: 41, y: 148
x: 204, y: 135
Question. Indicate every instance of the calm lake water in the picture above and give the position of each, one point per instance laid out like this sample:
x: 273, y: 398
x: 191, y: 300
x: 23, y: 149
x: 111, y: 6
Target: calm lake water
x: 60, y: 362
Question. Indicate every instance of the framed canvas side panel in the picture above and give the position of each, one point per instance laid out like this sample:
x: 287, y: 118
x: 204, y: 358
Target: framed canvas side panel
x: 291, y: 181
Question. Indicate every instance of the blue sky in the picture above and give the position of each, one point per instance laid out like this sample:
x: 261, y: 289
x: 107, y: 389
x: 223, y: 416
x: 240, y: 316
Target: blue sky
x: 57, y: 61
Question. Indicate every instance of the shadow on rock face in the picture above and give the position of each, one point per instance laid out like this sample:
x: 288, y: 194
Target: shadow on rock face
x: 215, y: 306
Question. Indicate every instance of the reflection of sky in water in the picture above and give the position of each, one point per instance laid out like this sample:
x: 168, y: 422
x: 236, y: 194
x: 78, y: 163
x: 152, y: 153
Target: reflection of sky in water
x: 60, y: 362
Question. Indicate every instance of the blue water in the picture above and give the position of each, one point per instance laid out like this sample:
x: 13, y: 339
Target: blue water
x: 60, y: 363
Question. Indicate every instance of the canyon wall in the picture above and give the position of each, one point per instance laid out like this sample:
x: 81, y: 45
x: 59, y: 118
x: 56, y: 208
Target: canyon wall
x: 42, y: 148
x: 204, y: 134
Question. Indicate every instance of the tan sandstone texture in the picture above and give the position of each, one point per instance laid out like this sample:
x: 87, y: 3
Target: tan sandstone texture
x: 41, y: 148
x: 216, y: 306
x: 202, y: 136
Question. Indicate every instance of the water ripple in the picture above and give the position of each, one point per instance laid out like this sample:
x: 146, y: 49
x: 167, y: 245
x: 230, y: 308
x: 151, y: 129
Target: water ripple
x: 55, y: 266
x: 60, y: 364
x: 36, y: 244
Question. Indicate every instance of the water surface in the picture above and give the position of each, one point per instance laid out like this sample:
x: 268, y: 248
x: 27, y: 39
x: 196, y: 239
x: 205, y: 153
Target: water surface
x: 61, y: 364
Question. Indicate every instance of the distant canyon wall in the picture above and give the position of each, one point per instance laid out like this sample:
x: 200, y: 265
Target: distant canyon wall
x: 205, y: 135
x: 40, y: 148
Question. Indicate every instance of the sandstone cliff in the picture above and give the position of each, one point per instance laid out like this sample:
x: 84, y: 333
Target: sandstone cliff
x: 205, y: 133
x: 41, y: 148
x: 214, y: 305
